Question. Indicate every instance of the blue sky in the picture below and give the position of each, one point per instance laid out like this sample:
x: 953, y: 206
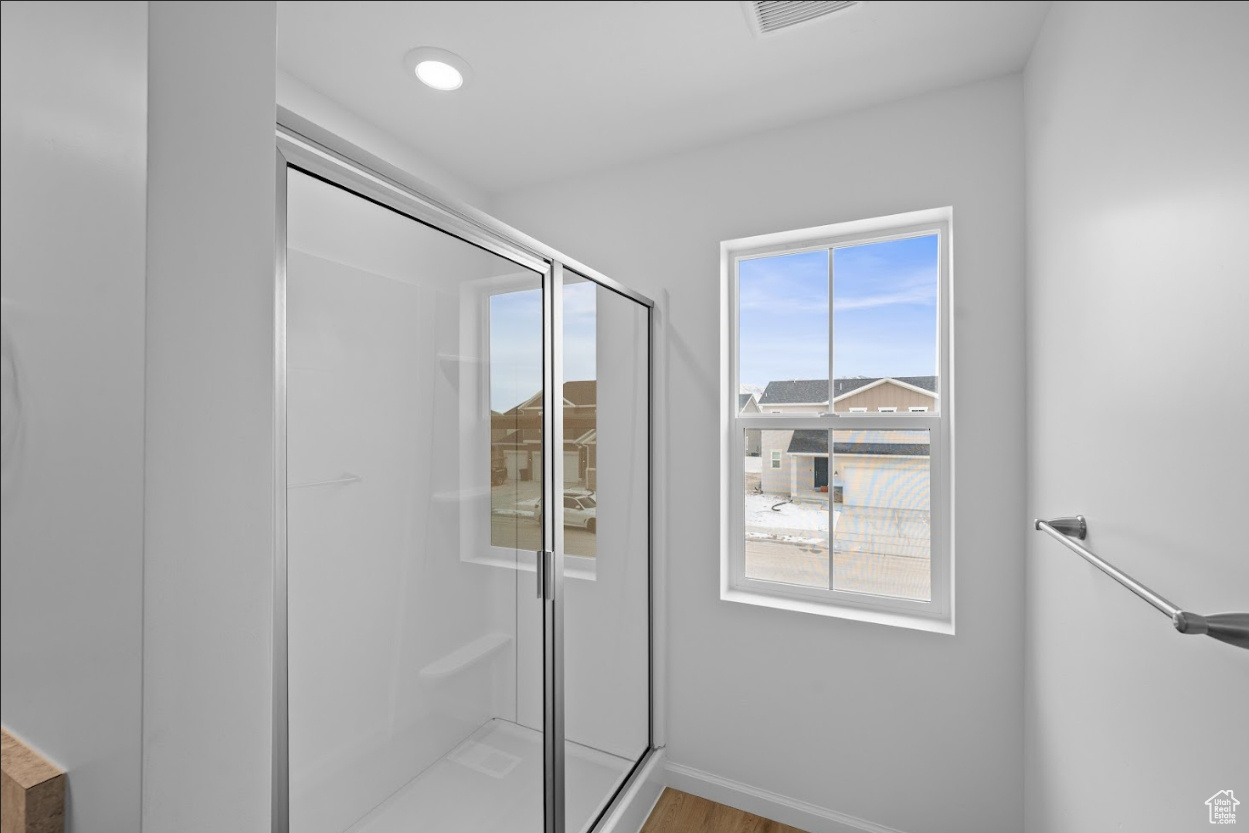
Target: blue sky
x: 516, y: 341
x: 884, y: 317
x: 884, y: 312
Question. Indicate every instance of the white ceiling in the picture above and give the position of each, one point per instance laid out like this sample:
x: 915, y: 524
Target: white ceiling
x: 562, y: 88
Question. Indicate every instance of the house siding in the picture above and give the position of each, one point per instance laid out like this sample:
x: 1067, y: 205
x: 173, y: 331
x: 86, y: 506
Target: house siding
x: 885, y: 396
x: 775, y: 481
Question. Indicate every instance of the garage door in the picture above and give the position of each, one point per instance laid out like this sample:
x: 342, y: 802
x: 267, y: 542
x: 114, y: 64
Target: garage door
x: 514, y: 460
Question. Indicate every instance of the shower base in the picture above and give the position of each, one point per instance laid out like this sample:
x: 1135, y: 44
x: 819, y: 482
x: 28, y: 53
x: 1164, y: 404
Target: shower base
x: 492, y: 783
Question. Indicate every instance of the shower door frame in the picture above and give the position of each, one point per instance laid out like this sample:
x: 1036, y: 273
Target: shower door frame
x: 308, y: 148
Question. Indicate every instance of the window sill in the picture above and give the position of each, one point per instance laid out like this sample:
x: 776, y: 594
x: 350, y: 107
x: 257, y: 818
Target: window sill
x: 857, y: 614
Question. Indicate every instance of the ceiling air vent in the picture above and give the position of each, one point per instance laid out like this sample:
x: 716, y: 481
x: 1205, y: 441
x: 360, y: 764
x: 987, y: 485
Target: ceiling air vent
x: 768, y: 16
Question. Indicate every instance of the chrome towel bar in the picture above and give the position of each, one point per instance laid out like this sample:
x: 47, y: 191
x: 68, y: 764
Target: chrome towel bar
x: 1232, y: 628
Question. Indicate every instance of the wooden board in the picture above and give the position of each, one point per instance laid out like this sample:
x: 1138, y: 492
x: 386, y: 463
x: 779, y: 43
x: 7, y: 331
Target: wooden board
x: 678, y: 812
x: 32, y: 790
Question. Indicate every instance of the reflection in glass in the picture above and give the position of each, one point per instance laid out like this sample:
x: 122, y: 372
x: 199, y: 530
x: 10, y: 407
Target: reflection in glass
x: 882, y: 541
x: 581, y: 472
x: 515, y: 367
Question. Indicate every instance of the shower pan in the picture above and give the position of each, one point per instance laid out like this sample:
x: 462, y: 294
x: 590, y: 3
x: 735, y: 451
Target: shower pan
x: 463, y: 614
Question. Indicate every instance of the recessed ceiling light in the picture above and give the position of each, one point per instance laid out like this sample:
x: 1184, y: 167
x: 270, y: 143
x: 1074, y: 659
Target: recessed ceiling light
x: 437, y: 68
x: 439, y: 75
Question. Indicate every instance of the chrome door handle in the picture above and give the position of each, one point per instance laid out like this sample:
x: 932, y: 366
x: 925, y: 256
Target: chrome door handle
x: 546, y: 567
x: 541, y: 564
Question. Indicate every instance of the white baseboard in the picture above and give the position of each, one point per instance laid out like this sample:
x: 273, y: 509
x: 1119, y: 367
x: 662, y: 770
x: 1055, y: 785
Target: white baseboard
x: 770, y: 805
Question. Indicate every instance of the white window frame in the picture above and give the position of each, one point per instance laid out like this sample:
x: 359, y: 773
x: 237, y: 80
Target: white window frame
x: 858, y: 410
x: 887, y: 409
x: 936, y: 615
x: 918, y: 409
x: 777, y: 460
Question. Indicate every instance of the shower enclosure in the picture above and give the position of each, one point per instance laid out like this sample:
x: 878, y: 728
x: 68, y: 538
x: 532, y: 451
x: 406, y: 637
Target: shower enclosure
x: 462, y: 622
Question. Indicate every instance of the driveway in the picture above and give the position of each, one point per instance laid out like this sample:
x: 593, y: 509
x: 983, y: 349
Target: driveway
x: 859, y: 572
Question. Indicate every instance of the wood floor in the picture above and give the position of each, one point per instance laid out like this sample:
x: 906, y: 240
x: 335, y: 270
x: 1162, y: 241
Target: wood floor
x: 678, y: 812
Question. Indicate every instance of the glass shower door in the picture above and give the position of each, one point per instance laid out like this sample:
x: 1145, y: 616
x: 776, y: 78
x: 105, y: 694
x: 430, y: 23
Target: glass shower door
x: 415, y: 460
x: 605, y: 542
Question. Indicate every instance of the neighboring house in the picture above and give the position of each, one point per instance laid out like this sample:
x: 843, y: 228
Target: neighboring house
x: 878, y: 478
x: 748, y: 403
x: 879, y: 481
x: 796, y: 464
x: 499, y: 429
x: 516, y: 437
x: 861, y: 393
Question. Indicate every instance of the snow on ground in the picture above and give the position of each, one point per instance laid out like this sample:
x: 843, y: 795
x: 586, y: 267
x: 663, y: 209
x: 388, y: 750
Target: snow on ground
x: 759, y: 513
x: 790, y: 522
x: 520, y: 509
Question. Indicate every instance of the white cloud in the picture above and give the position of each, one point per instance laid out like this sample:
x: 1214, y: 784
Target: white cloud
x: 918, y: 295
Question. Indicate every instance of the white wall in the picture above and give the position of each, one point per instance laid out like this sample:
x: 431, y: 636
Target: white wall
x: 209, y: 526
x: 74, y: 155
x: 337, y: 118
x: 918, y: 731
x: 1138, y: 200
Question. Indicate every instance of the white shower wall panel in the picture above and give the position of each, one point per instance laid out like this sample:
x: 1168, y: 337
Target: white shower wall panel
x: 399, y: 649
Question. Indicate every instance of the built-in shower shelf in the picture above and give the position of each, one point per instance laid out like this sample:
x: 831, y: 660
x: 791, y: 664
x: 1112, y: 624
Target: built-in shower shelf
x: 462, y: 495
x: 345, y: 479
x: 462, y: 658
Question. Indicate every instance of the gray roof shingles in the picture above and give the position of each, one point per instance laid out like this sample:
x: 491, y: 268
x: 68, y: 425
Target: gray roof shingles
x: 816, y: 442
x: 816, y: 390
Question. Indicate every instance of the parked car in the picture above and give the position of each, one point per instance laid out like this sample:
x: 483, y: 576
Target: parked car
x: 498, y: 475
x: 580, y: 509
x: 498, y: 467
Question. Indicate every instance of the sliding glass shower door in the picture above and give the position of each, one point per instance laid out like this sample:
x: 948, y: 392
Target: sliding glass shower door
x: 462, y: 622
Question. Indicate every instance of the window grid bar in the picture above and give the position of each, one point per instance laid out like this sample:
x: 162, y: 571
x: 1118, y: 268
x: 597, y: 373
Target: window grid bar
x: 832, y: 397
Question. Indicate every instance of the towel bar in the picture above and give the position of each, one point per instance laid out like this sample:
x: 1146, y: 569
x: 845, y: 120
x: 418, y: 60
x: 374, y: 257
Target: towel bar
x: 1232, y: 628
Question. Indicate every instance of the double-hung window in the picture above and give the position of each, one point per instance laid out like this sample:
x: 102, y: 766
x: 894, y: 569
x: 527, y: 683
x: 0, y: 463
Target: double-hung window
x: 843, y: 334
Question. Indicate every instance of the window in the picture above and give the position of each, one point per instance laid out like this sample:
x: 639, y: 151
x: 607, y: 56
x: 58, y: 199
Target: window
x: 852, y: 516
